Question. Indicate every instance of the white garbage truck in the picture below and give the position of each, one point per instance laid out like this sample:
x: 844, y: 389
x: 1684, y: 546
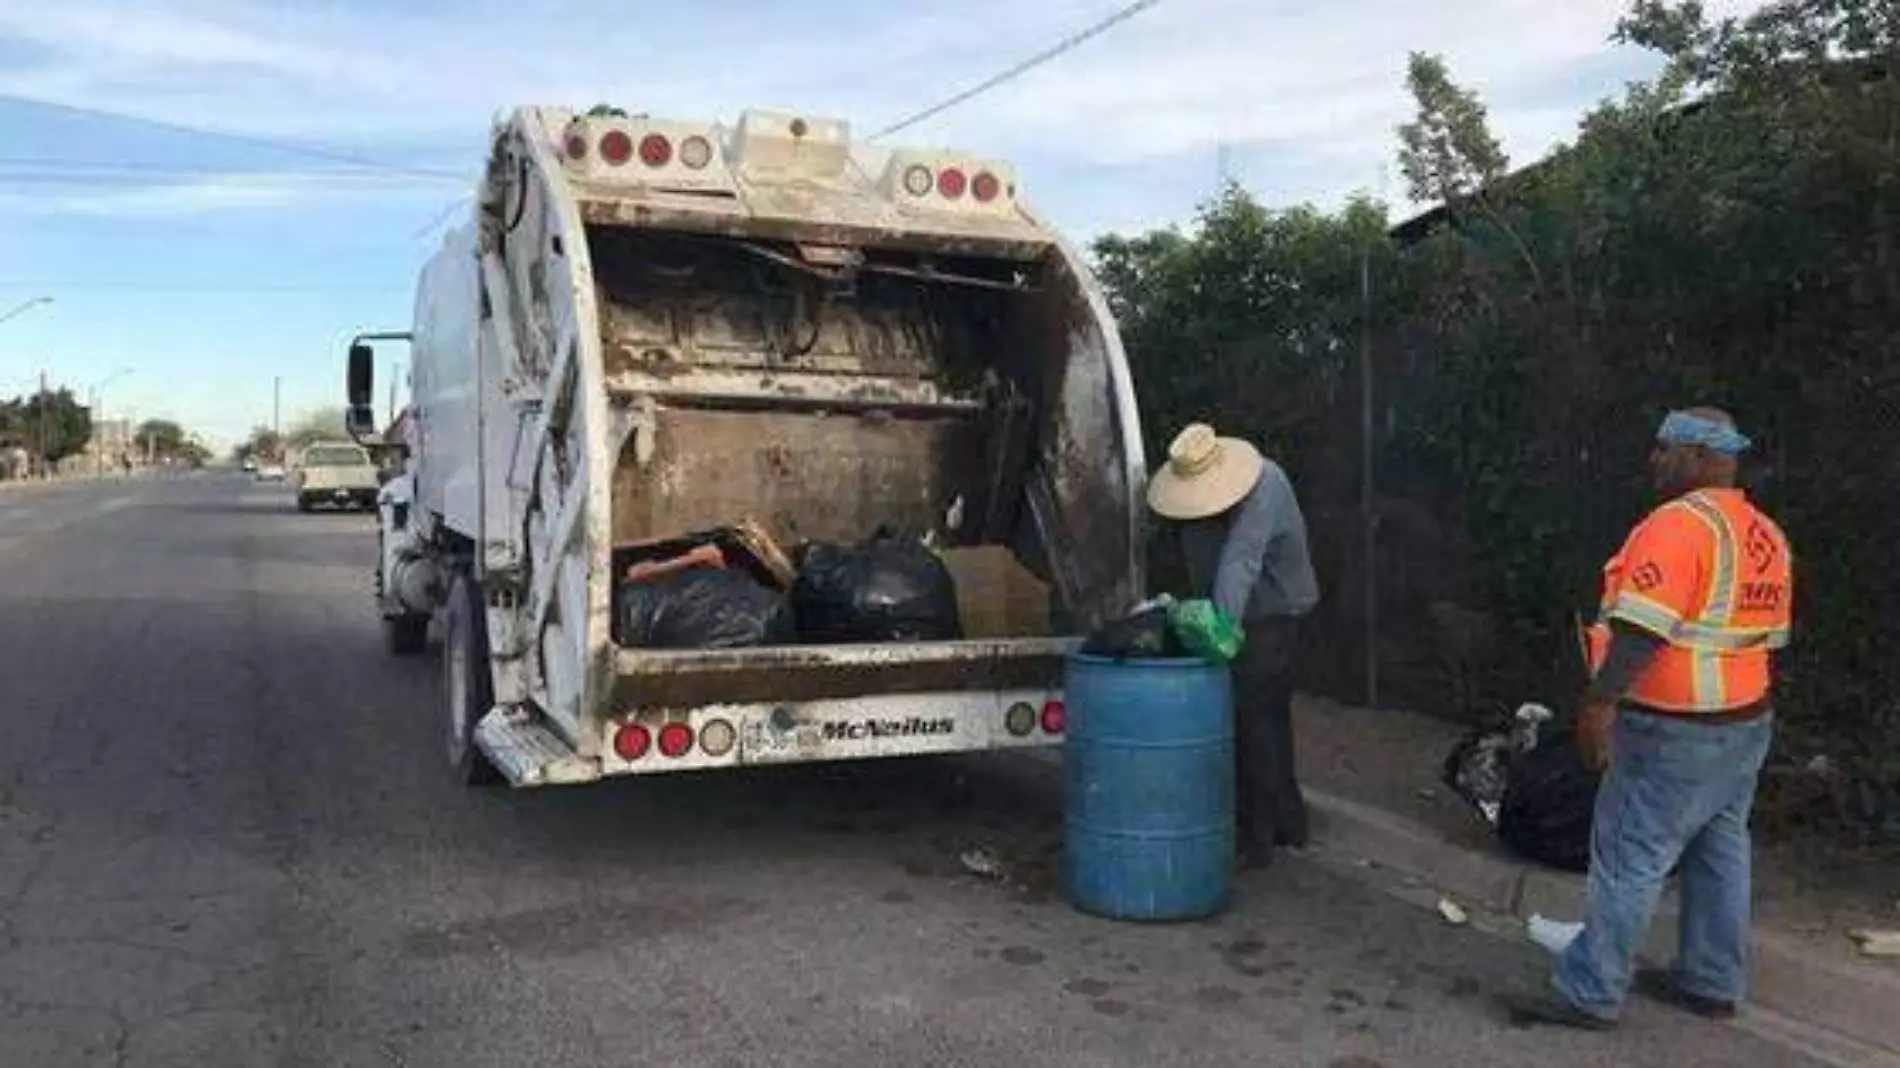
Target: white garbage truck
x: 650, y: 329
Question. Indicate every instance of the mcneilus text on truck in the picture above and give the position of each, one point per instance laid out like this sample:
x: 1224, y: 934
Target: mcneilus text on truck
x: 650, y: 329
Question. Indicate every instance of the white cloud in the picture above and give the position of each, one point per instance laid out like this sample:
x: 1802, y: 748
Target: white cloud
x: 237, y: 191
x: 1319, y: 84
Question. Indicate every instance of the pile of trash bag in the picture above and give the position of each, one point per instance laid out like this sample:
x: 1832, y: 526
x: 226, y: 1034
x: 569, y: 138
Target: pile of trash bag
x: 1550, y: 799
x: 888, y: 588
x: 702, y: 607
x: 1163, y: 628
x: 1528, y: 780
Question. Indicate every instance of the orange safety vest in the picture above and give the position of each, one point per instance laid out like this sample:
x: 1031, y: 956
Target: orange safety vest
x: 1714, y: 577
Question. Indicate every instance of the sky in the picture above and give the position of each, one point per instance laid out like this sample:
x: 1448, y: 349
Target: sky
x: 215, y: 194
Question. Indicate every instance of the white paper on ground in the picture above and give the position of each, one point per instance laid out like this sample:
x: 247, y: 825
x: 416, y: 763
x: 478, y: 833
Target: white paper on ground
x: 1553, y: 935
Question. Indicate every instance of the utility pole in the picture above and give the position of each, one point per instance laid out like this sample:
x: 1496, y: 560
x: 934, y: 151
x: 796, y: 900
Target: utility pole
x: 277, y: 413
x: 394, y: 377
x: 1368, y: 487
x: 44, y: 441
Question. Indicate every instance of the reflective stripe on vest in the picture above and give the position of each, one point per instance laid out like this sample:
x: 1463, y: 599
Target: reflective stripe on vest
x: 1710, y: 689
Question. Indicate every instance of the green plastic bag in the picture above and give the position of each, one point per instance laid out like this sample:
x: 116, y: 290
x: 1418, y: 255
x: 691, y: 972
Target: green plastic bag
x: 1205, y: 631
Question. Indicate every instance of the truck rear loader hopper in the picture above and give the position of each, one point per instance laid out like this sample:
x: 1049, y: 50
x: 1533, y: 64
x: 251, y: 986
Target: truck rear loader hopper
x: 656, y: 328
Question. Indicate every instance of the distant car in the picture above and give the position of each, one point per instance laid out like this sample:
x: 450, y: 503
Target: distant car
x: 270, y: 471
x: 338, y: 473
x: 250, y: 464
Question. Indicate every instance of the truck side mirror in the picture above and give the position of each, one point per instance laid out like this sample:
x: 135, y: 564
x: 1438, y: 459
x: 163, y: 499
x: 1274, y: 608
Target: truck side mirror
x: 360, y: 421
x: 362, y: 374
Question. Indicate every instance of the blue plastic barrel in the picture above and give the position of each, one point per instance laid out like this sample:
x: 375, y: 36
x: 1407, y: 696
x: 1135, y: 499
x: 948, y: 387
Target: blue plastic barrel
x: 1149, y: 768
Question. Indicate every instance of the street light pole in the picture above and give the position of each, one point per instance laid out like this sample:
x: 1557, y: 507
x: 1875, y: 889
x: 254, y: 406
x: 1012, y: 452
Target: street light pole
x: 43, y: 417
x: 25, y: 306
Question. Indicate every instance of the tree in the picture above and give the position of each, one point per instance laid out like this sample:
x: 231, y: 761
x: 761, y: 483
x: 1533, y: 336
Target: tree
x: 159, y: 438
x: 318, y: 425
x: 1447, y: 152
x: 1728, y: 233
x: 50, y: 425
x: 1449, y: 155
x: 263, y: 444
x: 165, y: 441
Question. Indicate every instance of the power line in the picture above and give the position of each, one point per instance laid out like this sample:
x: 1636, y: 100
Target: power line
x: 153, y: 286
x: 439, y: 218
x: 1066, y: 45
x: 287, y: 147
x: 56, y: 170
x: 167, y: 180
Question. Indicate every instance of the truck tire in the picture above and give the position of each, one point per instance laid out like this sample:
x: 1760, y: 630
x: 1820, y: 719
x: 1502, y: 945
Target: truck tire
x: 407, y: 635
x: 467, y: 688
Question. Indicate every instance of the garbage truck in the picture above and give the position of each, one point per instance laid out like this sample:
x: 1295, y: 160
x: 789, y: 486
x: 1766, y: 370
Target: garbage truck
x: 649, y: 329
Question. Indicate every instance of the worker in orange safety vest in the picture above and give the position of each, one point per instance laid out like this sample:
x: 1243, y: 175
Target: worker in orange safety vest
x: 1679, y: 714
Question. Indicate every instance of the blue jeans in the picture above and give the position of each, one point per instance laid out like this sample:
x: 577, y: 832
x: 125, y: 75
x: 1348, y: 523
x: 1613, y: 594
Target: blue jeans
x: 1675, y: 791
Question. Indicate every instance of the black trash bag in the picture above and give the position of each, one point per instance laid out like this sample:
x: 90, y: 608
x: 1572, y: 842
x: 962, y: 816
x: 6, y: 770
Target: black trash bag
x: 1550, y: 798
x: 1143, y: 634
x: 1477, y: 769
x: 890, y: 588
x: 702, y: 608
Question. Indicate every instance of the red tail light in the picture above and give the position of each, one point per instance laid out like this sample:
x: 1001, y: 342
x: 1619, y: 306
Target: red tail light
x: 655, y: 150
x: 951, y: 183
x: 1055, y: 718
x: 632, y: 741
x: 675, y: 739
x: 616, y: 147
x: 985, y: 186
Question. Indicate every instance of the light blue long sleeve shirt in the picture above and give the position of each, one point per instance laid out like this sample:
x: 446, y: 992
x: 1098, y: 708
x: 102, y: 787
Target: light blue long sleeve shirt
x: 1252, y: 560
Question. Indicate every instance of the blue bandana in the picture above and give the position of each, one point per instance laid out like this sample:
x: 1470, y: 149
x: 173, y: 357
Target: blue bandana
x: 1681, y: 428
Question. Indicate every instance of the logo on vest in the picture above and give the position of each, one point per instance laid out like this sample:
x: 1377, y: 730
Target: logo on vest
x: 1761, y: 548
x: 1763, y: 596
x: 1647, y: 577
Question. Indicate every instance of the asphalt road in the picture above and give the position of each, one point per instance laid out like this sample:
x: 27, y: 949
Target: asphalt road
x: 227, y: 838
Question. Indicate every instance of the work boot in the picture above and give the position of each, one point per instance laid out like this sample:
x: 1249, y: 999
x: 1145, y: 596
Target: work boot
x: 1530, y: 1010
x: 1661, y: 984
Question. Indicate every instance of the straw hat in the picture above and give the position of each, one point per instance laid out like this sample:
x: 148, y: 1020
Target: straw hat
x: 1206, y: 474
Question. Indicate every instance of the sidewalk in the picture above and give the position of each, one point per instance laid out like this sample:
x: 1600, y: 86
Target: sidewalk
x: 1373, y: 784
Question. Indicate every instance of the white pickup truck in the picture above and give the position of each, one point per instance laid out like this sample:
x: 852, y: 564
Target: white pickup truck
x: 336, y: 473
x: 651, y: 327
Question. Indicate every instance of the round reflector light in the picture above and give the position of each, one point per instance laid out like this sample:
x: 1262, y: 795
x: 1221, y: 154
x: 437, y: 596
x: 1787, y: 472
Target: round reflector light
x: 1020, y: 719
x: 696, y: 152
x: 1055, y: 719
x: 576, y: 146
x: 616, y: 147
x: 675, y: 739
x: 632, y: 741
x: 985, y: 186
x: 716, y: 738
x: 917, y: 181
x: 951, y: 183
x: 655, y: 150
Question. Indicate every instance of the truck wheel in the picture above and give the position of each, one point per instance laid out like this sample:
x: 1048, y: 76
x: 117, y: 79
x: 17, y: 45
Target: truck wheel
x: 407, y: 635
x: 467, y: 687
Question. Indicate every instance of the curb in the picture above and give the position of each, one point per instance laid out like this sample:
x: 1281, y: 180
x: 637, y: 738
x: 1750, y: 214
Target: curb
x: 1788, y: 978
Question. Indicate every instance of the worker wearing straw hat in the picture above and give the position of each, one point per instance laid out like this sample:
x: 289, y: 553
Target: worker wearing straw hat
x: 1244, y: 540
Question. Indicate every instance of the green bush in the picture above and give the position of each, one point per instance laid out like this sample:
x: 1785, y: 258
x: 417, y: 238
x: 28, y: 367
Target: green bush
x: 1729, y: 234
